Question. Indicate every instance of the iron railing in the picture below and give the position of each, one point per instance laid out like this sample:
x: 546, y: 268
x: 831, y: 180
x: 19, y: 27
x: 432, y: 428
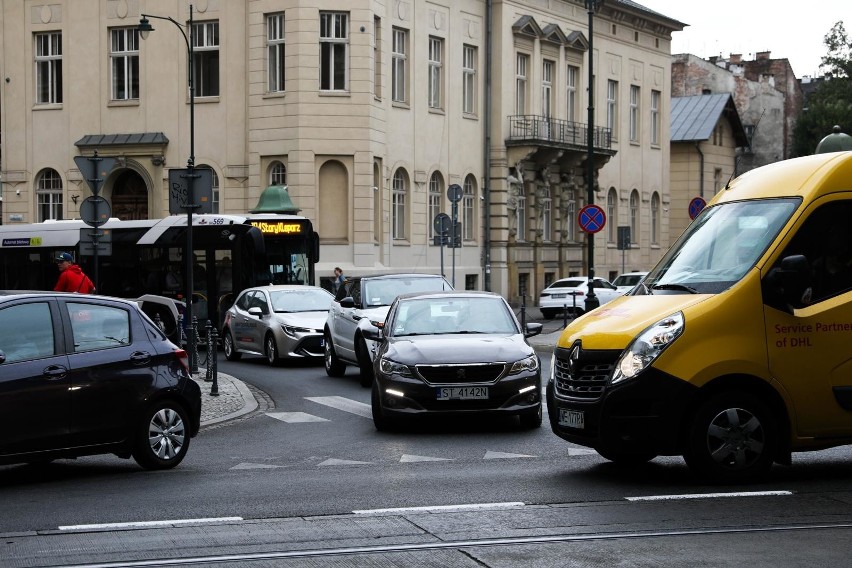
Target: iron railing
x: 527, y: 128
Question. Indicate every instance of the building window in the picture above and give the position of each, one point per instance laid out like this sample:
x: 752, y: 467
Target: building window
x: 275, y: 52
x: 634, y: 113
x: 571, y: 85
x: 124, y: 63
x: 205, y: 65
x: 278, y: 174
x: 522, y: 213
x: 470, y: 281
x: 611, y: 212
x: 469, y: 209
x: 655, y: 219
x: 547, y: 88
x: 399, y: 66
x: 48, y: 60
x: 49, y: 195
x: 521, y: 84
x: 634, y: 217
x: 655, y: 118
x: 399, y: 192
x: 436, y: 190
x: 611, y: 106
x: 469, y: 79
x: 717, y: 180
x: 334, y: 50
x: 377, y: 56
x: 546, y: 214
x: 436, y: 72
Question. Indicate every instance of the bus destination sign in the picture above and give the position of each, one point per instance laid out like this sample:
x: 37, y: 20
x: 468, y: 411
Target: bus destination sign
x: 278, y: 227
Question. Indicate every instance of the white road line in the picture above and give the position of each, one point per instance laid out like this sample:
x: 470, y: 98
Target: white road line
x: 710, y: 495
x: 145, y: 524
x: 344, y: 404
x: 443, y: 508
x: 292, y: 417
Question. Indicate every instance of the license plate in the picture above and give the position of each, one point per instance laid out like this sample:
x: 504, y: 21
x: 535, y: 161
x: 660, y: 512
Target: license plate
x: 463, y: 393
x: 559, y: 295
x: 572, y: 418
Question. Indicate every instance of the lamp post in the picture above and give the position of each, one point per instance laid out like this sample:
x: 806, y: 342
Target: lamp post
x: 592, y: 300
x: 144, y: 29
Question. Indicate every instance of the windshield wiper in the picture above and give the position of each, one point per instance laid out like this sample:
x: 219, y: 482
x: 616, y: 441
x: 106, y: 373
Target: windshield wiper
x: 682, y: 287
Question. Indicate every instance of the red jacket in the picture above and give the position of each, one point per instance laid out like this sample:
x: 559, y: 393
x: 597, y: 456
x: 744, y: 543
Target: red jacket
x: 72, y: 279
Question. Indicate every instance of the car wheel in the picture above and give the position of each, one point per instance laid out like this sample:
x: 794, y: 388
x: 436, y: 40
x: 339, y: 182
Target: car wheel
x: 334, y: 367
x: 732, y: 438
x: 270, y: 349
x: 531, y: 420
x: 382, y: 422
x: 231, y: 353
x: 162, y: 437
x: 620, y: 457
x: 365, y: 364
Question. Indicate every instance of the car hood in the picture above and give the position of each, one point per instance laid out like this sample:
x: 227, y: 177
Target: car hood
x: 312, y: 320
x: 376, y: 314
x: 457, y: 348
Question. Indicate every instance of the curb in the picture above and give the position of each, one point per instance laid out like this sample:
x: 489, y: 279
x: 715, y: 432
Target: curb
x: 250, y: 403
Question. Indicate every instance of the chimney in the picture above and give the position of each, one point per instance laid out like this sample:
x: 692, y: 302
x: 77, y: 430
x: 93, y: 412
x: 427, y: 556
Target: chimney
x: 762, y: 55
x: 736, y: 58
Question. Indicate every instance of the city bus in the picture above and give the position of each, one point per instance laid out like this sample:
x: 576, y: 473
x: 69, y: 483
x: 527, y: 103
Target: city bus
x: 144, y: 259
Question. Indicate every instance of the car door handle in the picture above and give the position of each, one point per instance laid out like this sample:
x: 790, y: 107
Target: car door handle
x: 356, y: 318
x: 140, y: 357
x: 54, y: 372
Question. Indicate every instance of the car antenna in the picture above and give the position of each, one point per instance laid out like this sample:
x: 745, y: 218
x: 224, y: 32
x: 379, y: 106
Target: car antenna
x: 737, y: 163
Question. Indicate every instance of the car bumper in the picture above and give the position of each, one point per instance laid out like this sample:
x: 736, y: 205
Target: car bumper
x: 305, y: 345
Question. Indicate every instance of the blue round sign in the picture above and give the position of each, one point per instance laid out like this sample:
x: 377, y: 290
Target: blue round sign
x: 695, y: 206
x: 591, y: 218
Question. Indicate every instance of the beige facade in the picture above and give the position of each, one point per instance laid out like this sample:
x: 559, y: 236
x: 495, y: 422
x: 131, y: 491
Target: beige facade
x: 368, y: 110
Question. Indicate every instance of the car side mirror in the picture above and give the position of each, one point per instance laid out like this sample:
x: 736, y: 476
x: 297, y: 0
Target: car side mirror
x: 372, y: 333
x: 256, y: 312
x: 787, y: 285
x: 347, y: 302
x: 532, y: 329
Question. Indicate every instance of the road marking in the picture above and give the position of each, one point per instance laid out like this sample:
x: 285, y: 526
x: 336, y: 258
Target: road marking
x: 293, y: 417
x: 344, y: 404
x: 141, y: 524
x: 581, y: 452
x: 406, y: 458
x: 333, y: 461
x: 248, y: 465
x: 443, y: 508
x: 709, y: 495
x: 489, y: 455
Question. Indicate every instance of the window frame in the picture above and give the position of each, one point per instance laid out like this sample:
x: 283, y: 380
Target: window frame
x: 436, y: 188
x: 656, y: 99
x: 334, y: 52
x: 48, y: 67
x: 635, y: 98
x: 399, y: 192
x: 469, y: 208
x: 572, y: 71
x: 128, y: 59
x: 49, y: 195
x: 206, y: 59
x: 436, y: 73
x: 399, y: 65
x: 612, y: 106
x: 276, y: 50
x: 521, y: 82
x: 470, y: 55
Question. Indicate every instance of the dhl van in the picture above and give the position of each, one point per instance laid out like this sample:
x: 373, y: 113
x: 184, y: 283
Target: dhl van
x: 735, y: 350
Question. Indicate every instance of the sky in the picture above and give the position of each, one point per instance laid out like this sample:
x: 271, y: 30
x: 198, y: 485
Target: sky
x: 794, y: 31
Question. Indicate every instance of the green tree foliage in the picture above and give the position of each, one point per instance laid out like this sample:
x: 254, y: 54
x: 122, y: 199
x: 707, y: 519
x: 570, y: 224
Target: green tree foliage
x: 831, y: 103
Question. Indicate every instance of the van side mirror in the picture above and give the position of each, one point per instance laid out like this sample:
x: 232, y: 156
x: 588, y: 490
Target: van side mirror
x: 787, y: 286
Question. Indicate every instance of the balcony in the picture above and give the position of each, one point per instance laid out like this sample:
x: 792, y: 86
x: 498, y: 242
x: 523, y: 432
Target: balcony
x: 529, y: 130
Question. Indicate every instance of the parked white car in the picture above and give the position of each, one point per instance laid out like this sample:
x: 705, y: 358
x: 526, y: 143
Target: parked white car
x: 625, y: 282
x: 569, y: 294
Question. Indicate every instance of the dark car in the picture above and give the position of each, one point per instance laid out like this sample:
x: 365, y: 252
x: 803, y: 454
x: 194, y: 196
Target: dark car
x: 455, y: 352
x: 83, y: 375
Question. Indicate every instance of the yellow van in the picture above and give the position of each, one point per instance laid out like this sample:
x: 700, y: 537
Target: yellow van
x: 736, y: 349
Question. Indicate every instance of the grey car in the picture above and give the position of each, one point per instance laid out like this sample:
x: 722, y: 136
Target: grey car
x: 277, y: 322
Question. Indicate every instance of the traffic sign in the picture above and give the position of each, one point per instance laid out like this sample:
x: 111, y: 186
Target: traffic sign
x: 95, y: 211
x: 91, y: 238
x: 455, y: 193
x: 179, y: 197
x: 591, y: 218
x: 442, y: 224
x: 94, y: 169
x: 695, y: 206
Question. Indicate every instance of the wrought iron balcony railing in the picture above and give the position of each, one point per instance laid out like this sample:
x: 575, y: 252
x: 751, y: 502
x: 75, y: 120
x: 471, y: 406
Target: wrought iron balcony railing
x: 528, y: 128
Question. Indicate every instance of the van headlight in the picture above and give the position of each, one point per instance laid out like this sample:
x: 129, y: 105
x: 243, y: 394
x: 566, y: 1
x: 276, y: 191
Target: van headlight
x: 647, y: 347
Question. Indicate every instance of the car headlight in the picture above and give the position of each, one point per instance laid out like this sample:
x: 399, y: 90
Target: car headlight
x: 389, y: 367
x: 528, y: 364
x: 293, y: 330
x: 647, y: 347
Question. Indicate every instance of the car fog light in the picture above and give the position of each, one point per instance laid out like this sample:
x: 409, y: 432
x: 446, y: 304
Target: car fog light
x: 394, y: 392
x: 526, y: 389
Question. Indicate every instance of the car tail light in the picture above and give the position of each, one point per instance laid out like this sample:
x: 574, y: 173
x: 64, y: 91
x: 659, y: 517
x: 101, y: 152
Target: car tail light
x: 183, y: 357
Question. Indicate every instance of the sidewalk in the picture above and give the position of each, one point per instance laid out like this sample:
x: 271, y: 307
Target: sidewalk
x: 234, y: 400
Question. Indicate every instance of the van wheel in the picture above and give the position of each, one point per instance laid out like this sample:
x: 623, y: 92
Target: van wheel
x: 365, y: 364
x: 231, y: 353
x: 733, y: 438
x: 625, y: 458
x: 334, y: 367
x: 162, y: 436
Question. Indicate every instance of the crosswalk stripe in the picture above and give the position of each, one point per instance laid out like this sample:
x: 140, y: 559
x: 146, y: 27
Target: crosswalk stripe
x: 291, y: 417
x: 344, y: 404
x: 489, y: 455
x: 406, y: 458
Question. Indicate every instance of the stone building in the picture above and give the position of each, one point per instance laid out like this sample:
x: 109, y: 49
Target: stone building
x: 367, y: 110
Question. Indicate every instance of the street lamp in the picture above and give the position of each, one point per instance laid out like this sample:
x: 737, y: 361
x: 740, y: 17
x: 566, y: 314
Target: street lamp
x: 592, y: 300
x: 144, y: 29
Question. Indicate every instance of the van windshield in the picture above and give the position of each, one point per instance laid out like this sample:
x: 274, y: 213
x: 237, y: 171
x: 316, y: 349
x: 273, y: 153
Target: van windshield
x: 719, y: 247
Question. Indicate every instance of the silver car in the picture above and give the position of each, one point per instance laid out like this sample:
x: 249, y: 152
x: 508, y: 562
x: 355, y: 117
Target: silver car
x: 277, y: 322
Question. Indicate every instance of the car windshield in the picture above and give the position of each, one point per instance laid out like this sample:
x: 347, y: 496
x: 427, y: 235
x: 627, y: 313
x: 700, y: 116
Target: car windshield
x: 567, y: 284
x: 719, y: 247
x: 450, y: 315
x: 307, y: 300
x: 382, y: 292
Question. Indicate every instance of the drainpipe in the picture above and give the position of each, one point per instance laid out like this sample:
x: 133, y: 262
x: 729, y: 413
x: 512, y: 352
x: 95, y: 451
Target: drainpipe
x: 486, y: 260
x: 701, y: 171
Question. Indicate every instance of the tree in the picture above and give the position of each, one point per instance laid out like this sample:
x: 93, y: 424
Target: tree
x: 831, y: 103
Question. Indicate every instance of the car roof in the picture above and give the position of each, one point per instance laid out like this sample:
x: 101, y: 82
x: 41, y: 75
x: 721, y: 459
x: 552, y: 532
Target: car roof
x: 286, y: 287
x: 392, y: 275
x: 450, y: 293
x: 6, y: 295
x: 638, y: 273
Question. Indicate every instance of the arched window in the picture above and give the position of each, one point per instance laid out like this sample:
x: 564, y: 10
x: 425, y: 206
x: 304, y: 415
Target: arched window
x: 49, y: 195
x: 436, y: 190
x: 400, y: 191
x: 277, y: 174
x: 611, y: 215
x: 634, y: 217
x: 469, y: 208
x: 546, y: 214
x: 655, y: 219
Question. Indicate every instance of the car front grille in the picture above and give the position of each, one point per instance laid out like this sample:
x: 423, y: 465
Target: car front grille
x: 461, y: 374
x: 312, y: 346
x: 591, y: 370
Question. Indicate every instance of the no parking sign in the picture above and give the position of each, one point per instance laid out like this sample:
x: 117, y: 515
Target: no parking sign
x: 695, y: 206
x: 591, y: 218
